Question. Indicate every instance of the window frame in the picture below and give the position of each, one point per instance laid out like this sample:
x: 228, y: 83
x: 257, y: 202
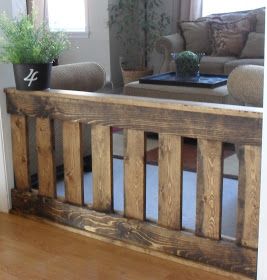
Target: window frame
x: 78, y: 34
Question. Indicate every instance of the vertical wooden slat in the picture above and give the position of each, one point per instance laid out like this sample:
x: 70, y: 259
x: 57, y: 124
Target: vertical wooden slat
x: 45, y: 154
x: 20, y: 149
x: 248, y: 195
x: 73, y: 163
x: 209, y: 189
x: 102, y: 168
x: 134, y: 174
x: 170, y: 181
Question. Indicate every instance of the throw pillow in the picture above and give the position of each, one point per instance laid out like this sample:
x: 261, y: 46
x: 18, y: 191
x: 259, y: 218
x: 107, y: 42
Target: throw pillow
x: 228, y: 38
x: 196, y: 36
x: 254, y: 47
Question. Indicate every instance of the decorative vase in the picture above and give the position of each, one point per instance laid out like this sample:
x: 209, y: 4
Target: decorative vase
x: 32, y: 76
x: 187, y: 65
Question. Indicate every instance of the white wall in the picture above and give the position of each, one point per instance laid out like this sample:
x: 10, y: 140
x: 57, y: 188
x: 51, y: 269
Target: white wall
x: 6, y: 169
x: 6, y: 80
x: 102, y: 45
x: 96, y: 47
x: 18, y: 7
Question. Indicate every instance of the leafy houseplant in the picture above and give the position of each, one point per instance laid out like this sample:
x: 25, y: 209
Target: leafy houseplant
x: 137, y: 25
x: 31, y: 49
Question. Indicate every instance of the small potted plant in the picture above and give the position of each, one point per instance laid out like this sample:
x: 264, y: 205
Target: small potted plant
x: 187, y: 64
x: 137, y: 25
x: 31, y: 49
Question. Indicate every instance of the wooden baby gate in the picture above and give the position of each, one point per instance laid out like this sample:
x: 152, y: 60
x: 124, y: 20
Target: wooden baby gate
x: 210, y: 124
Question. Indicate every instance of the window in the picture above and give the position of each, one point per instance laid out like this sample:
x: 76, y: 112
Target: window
x: 70, y: 16
x: 213, y: 7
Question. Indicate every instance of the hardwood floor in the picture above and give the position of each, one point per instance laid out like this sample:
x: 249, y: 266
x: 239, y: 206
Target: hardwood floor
x: 35, y: 250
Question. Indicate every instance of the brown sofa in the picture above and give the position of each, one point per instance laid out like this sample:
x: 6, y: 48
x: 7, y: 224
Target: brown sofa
x: 228, y: 40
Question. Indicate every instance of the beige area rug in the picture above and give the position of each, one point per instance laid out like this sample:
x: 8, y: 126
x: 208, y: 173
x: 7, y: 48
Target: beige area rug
x: 230, y: 167
x: 118, y: 144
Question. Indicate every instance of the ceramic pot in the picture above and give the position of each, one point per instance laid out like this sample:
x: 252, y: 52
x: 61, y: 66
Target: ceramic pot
x: 32, y: 76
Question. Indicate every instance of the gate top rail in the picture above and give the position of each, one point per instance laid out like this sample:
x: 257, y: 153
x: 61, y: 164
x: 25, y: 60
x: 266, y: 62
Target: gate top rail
x: 201, y: 107
x: 226, y: 123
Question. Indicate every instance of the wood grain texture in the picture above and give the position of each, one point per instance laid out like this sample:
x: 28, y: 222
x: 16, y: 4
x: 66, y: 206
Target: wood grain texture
x: 221, y: 254
x: 143, y: 101
x: 20, y: 152
x: 170, y: 181
x: 46, y: 157
x: 73, y: 163
x: 209, y: 189
x: 32, y: 258
x: 248, y: 196
x: 134, y: 175
x: 102, y: 168
x: 223, y: 123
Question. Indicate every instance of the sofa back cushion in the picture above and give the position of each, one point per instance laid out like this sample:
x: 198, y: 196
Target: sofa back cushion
x: 254, y: 47
x: 196, y: 36
x: 199, y: 35
x: 228, y: 38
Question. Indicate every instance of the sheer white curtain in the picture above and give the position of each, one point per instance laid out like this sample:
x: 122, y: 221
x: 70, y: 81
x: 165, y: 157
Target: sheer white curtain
x: 190, y: 9
x: 185, y: 10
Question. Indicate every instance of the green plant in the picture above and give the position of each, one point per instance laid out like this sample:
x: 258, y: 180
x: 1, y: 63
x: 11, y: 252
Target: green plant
x: 187, y: 63
x: 138, y: 24
x: 24, y: 42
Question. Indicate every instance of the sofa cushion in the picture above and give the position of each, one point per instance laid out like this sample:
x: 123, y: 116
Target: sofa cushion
x: 213, y: 64
x: 231, y: 65
x: 228, y: 38
x: 254, y: 47
x: 196, y: 36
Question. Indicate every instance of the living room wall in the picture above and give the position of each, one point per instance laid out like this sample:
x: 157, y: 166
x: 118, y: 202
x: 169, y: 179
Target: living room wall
x: 12, y: 8
x: 101, y: 45
x: 96, y: 46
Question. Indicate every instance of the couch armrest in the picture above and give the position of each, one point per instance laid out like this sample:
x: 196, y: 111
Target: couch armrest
x: 83, y: 76
x: 245, y: 85
x: 166, y: 45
